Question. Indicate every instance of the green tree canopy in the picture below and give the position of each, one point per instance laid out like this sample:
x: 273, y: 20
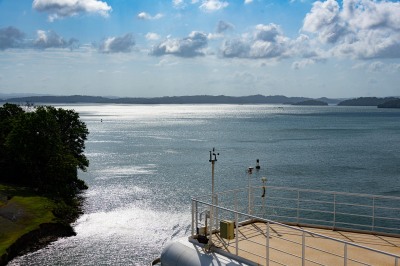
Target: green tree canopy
x: 43, y: 148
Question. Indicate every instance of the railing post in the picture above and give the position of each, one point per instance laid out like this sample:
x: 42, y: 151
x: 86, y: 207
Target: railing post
x: 236, y: 206
x: 396, y: 261
x: 249, y: 207
x: 334, y: 211
x: 216, y: 212
x: 345, y: 255
x: 193, y: 210
x: 303, y: 249
x: 267, y: 247
x: 298, y: 206
x: 211, y: 223
x: 196, y: 211
x: 237, y: 233
x: 373, y: 213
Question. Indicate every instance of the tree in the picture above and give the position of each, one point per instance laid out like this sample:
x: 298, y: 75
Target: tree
x: 43, y: 149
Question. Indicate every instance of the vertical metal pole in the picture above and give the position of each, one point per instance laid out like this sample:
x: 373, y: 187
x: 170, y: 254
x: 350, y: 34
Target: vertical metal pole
x: 345, y: 255
x: 263, y: 204
x: 298, y: 206
x: 334, y: 210
x: 303, y: 249
x: 193, y: 211
x: 237, y: 233
x: 373, y: 213
x: 236, y: 205
x: 211, y: 225
x: 197, y: 215
x: 216, y: 212
x: 248, y: 184
x: 212, y: 200
x: 267, y: 248
x: 396, y: 261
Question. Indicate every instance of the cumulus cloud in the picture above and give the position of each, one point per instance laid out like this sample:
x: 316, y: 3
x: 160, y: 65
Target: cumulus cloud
x: 362, y: 29
x: 223, y: 26
x: 190, y: 46
x: 266, y: 41
x: 151, y: 36
x: 50, y: 39
x: 246, y: 2
x: 235, y: 48
x: 146, y: 16
x: 67, y: 8
x: 213, y: 5
x: 10, y: 37
x: 122, y: 44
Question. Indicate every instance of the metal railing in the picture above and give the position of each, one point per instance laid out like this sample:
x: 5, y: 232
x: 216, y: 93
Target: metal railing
x: 334, y: 210
x: 368, y: 213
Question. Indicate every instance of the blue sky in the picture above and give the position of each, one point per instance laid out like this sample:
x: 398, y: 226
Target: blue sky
x: 132, y: 48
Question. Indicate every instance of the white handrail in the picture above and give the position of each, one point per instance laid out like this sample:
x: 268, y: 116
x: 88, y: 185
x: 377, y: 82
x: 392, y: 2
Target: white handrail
x: 302, y: 231
x: 308, y: 200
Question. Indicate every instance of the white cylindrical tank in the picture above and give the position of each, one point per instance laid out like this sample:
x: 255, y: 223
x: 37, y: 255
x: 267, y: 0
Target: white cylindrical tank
x: 183, y: 253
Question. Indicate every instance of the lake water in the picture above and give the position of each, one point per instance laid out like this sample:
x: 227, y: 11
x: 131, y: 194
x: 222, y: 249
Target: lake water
x: 147, y: 160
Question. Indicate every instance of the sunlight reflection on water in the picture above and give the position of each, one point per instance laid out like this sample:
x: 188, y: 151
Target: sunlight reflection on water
x: 146, y: 161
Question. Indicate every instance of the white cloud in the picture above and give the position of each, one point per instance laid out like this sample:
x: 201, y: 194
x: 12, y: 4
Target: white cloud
x: 50, y: 39
x: 146, y: 16
x: 190, y: 46
x: 67, y: 8
x: 266, y: 41
x: 246, y: 2
x: 213, y: 5
x: 10, y: 37
x: 122, y: 44
x: 362, y: 29
x: 151, y: 36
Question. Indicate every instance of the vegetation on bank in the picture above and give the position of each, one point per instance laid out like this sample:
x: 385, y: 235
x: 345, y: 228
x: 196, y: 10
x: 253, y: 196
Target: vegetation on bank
x: 41, y: 149
x: 21, y: 211
x: 195, y: 99
x: 390, y: 104
x: 311, y: 103
x: 366, y: 101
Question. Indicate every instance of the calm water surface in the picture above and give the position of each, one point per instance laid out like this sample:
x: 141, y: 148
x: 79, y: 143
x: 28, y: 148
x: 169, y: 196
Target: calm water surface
x: 147, y: 160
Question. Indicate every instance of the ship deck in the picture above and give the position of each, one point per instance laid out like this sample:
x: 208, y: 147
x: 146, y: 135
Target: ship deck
x: 286, y: 246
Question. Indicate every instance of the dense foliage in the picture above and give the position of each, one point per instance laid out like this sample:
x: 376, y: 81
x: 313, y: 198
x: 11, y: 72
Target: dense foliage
x: 43, y: 148
x: 390, y: 104
x: 366, y: 101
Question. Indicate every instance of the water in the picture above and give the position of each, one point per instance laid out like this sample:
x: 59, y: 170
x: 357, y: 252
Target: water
x: 147, y: 160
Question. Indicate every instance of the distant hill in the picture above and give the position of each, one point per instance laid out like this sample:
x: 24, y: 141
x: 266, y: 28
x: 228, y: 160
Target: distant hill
x: 311, y: 102
x: 197, y: 99
x: 390, y: 104
x: 366, y: 101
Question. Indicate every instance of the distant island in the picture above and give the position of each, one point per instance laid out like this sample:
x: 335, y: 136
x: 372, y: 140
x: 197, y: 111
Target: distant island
x: 390, y: 104
x: 196, y: 99
x: 201, y: 99
x: 311, y: 103
x: 366, y: 101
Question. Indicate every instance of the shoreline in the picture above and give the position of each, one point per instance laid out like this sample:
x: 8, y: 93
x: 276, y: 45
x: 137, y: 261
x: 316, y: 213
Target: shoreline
x: 29, y: 222
x: 36, y: 240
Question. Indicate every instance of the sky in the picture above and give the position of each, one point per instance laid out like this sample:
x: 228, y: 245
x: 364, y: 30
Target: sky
x: 154, y: 48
